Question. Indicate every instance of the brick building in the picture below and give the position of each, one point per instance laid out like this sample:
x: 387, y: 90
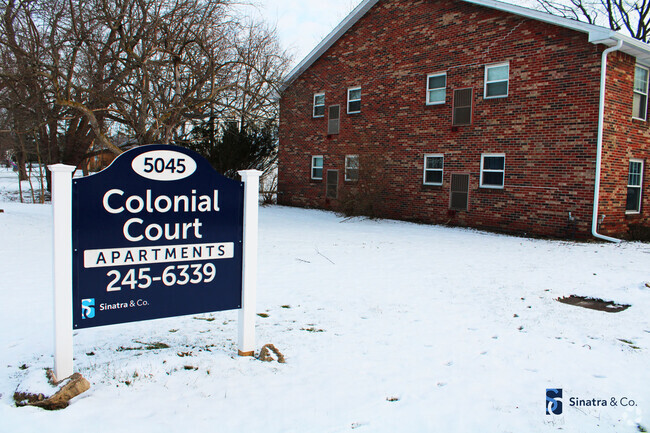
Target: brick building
x: 471, y: 113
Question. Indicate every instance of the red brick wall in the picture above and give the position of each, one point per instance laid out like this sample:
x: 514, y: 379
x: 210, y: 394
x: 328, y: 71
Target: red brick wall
x: 624, y: 138
x: 546, y: 127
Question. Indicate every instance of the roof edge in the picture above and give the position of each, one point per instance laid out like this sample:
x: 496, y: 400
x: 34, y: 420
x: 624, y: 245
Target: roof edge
x: 596, y: 34
x: 329, y: 40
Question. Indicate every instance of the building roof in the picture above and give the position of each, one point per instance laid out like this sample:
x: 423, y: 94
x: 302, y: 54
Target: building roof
x: 596, y: 34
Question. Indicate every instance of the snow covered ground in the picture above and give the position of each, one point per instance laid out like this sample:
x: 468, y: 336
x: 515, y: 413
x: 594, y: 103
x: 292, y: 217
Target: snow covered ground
x: 386, y: 326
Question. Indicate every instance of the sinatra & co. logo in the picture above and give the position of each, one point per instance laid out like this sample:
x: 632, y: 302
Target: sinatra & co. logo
x: 553, y: 401
x: 88, y: 308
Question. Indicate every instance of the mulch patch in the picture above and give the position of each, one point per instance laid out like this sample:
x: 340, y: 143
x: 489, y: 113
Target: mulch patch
x: 594, y: 304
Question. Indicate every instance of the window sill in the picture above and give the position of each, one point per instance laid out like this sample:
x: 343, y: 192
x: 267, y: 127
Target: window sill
x: 488, y: 187
x: 630, y: 213
x: 432, y: 186
x: 316, y: 180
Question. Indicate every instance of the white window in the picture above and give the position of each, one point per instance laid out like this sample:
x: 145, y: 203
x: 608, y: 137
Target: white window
x: 493, y: 170
x: 317, y: 167
x: 319, y: 105
x: 436, y: 88
x: 496, y: 81
x: 352, y: 167
x: 634, y: 184
x: 354, y: 100
x: 640, y: 99
x: 433, y: 167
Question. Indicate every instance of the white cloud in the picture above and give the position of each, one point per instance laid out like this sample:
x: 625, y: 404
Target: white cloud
x: 302, y: 24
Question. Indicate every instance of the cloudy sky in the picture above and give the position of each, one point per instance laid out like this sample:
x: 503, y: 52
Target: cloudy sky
x: 302, y: 24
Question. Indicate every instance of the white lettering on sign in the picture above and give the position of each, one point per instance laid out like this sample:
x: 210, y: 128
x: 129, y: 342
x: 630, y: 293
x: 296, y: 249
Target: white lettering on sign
x: 158, y: 254
x: 115, y: 203
x: 153, y: 232
x: 163, y: 165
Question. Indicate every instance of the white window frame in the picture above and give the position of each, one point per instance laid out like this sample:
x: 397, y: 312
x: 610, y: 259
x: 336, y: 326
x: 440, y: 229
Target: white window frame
x: 350, y: 90
x: 313, y: 159
x: 507, y: 80
x: 444, y: 100
x: 483, y: 156
x: 645, y: 112
x: 640, y: 186
x: 441, y: 170
x: 348, y: 167
x: 316, y: 95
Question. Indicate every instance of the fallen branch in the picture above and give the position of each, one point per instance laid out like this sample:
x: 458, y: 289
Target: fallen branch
x: 322, y: 255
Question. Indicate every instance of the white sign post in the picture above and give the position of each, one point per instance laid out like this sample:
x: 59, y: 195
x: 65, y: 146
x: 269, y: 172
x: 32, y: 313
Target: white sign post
x: 62, y: 268
x: 251, y: 179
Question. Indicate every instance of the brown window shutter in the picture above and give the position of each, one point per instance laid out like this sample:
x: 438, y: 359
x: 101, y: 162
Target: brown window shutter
x: 333, y: 120
x: 459, y: 191
x: 332, y: 186
x: 462, y: 107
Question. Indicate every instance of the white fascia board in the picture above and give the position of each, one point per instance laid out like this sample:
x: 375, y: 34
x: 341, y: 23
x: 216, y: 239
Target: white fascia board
x: 539, y: 16
x: 631, y: 46
x: 329, y: 40
x: 635, y: 47
x: 596, y: 34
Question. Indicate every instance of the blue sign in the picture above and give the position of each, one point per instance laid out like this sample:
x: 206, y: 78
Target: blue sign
x: 156, y: 234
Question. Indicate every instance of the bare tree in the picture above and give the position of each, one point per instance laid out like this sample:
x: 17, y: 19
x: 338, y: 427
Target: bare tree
x: 75, y: 74
x: 630, y: 17
x: 240, y: 129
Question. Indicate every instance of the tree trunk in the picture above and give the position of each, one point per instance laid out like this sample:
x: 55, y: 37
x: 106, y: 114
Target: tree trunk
x: 20, y: 161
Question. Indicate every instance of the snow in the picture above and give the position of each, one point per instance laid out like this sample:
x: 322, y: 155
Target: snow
x: 386, y: 326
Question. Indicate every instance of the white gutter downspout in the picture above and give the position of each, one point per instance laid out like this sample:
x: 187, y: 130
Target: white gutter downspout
x: 599, y: 146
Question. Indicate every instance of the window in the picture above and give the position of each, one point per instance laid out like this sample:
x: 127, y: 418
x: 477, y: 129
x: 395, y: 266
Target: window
x: 317, y: 167
x: 634, y: 182
x: 462, y: 107
x: 354, y: 100
x: 230, y: 125
x: 433, y: 166
x: 333, y: 124
x: 352, y: 167
x: 640, y: 101
x: 436, y: 88
x: 493, y: 170
x: 319, y: 105
x: 496, y: 81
